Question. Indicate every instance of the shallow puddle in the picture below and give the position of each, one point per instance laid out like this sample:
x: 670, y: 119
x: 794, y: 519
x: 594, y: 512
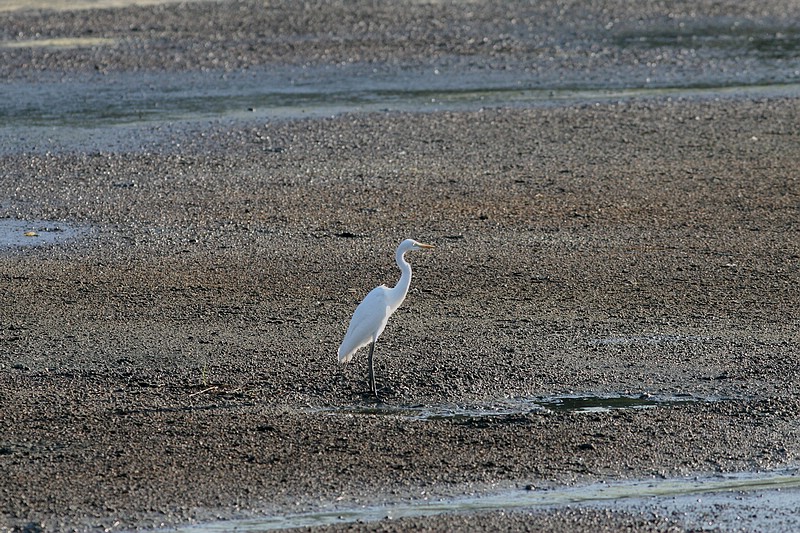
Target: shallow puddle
x: 600, y: 404
x: 24, y: 233
x: 516, y: 406
x: 747, y: 501
x: 63, y: 43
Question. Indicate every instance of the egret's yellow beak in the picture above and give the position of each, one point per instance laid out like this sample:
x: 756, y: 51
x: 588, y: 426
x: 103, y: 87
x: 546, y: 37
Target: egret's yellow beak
x: 425, y: 246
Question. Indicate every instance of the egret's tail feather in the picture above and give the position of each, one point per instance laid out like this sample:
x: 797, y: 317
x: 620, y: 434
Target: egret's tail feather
x: 345, y: 357
x: 349, y: 347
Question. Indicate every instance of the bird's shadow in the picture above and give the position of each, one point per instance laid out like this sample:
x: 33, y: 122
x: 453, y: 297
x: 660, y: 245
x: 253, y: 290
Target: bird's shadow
x: 360, y: 390
x: 383, y: 395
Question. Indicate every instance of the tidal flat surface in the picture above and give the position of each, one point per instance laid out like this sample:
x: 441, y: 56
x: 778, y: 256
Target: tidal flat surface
x: 613, y: 297
x: 149, y: 66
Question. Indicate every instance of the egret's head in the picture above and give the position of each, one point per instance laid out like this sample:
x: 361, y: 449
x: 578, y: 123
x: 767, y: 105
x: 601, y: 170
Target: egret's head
x: 411, y: 244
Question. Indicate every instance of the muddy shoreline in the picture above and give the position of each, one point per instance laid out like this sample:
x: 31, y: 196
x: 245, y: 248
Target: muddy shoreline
x: 176, y: 363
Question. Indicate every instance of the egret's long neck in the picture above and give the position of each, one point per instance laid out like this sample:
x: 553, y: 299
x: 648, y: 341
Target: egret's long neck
x: 399, y: 291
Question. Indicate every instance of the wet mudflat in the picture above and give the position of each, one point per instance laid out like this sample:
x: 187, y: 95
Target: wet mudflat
x: 753, y: 502
x: 175, y: 362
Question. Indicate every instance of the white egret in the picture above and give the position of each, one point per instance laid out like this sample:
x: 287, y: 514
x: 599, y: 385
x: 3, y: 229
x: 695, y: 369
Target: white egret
x: 371, y: 315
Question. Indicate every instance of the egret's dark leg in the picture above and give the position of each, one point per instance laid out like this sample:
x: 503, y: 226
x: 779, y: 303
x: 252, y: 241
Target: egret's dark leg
x: 371, y: 374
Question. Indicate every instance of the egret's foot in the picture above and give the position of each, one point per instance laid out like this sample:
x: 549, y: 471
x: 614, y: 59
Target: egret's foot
x: 370, y: 396
x: 380, y: 393
x: 387, y: 390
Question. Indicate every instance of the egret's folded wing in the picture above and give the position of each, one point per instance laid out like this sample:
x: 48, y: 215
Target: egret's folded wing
x: 367, y: 323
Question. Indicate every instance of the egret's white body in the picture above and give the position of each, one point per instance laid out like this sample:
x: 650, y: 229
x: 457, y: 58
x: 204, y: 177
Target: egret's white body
x: 370, y: 317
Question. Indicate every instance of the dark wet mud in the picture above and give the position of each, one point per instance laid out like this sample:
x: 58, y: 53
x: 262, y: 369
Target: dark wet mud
x: 178, y: 363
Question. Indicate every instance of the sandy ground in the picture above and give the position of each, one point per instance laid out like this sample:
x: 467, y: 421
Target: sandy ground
x: 177, y: 363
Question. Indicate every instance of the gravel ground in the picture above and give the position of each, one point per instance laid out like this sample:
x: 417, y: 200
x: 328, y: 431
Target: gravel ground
x: 177, y: 362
